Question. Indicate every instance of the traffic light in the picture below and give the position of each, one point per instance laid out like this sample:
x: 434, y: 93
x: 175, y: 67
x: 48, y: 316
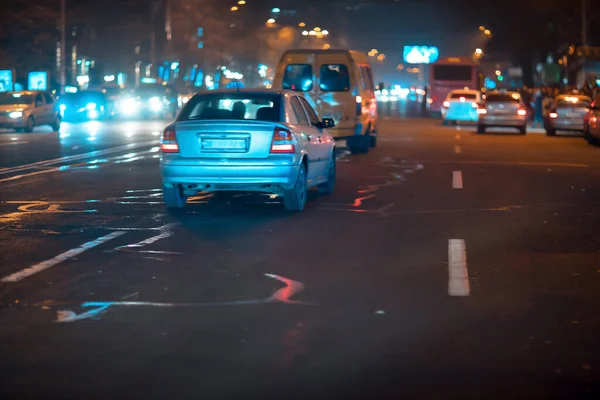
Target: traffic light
x: 500, y: 78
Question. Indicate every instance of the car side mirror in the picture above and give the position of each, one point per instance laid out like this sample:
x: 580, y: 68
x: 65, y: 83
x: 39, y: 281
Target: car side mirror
x: 327, y: 123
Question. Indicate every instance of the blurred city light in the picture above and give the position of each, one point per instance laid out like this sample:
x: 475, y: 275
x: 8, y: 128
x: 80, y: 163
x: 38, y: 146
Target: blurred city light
x: 325, y: 32
x: 234, y: 8
x: 271, y: 21
x: 312, y: 33
x: 275, y: 10
x: 242, y: 2
x: 304, y: 33
x: 482, y: 28
x: 109, y: 78
x: 301, y: 24
x: 487, y: 32
x: 317, y: 29
x: 478, y: 51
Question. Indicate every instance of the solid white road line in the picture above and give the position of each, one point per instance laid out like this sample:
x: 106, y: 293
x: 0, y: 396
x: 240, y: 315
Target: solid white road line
x: 77, y: 157
x: 458, y: 276
x: 457, y: 137
x: 13, y: 143
x: 34, y: 269
x: 457, y: 182
x: 457, y: 149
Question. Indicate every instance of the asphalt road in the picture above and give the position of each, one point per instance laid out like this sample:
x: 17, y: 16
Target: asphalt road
x: 445, y: 265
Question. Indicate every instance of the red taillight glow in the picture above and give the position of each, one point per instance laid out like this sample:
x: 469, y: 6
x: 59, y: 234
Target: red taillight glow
x: 522, y: 111
x: 446, y: 104
x: 481, y: 110
x: 553, y: 115
x: 282, y: 141
x: 169, y: 141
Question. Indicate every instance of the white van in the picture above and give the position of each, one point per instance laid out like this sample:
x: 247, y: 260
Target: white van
x: 338, y: 84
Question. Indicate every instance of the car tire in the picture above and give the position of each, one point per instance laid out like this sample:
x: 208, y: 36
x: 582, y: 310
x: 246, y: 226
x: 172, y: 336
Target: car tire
x: 445, y: 122
x: 173, y: 197
x: 523, y: 130
x: 294, y: 199
x: 29, y: 125
x: 592, y: 140
x: 373, y: 141
x: 56, y: 125
x: 550, y: 132
x: 327, y: 187
x: 480, y: 129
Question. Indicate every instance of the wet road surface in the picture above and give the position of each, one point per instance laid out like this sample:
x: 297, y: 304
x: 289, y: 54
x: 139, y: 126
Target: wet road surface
x: 445, y: 265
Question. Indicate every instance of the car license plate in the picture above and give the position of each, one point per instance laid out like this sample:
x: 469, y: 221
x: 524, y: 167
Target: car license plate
x: 232, y: 145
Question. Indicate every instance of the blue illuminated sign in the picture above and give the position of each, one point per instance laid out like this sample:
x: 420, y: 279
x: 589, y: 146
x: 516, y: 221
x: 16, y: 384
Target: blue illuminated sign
x: 420, y: 54
x: 6, y: 80
x: 37, y: 80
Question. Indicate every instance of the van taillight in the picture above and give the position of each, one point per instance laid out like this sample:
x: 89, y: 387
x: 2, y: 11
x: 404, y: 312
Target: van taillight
x: 283, y: 141
x: 359, y: 105
x: 169, y: 141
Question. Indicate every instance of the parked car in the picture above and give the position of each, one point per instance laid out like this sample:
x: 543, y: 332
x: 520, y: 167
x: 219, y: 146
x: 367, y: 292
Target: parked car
x: 567, y: 114
x: 24, y: 110
x: 591, y: 125
x: 247, y: 140
x: 502, y: 109
x: 461, y: 105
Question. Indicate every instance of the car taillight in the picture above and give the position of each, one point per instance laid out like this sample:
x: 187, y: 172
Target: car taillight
x: 358, y: 105
x: 446, y: 104
x: 522, y: 111
x: 282, y: 141
x: 481, y: 110
x: 553, y: 115
x: 169, y: 141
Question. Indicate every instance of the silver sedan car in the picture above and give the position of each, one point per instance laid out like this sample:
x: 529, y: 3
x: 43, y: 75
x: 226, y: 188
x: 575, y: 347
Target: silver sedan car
x: 502, y: 109
x: 247, y: 140
x: 568, y: 114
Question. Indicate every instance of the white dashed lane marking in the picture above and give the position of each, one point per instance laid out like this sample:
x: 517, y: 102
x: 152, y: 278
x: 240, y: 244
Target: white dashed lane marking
x: 457, y: 181
x: 458, y: 276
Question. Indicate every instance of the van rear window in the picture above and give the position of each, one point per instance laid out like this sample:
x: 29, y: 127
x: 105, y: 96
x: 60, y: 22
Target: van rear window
x: 298, y: 77
x: 334, y: 78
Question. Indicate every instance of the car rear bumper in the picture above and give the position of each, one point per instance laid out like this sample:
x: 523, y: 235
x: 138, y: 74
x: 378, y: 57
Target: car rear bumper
x: 501, y: 120
x: 267, y: 178
x: 12, y: 124
x: 566, y: 125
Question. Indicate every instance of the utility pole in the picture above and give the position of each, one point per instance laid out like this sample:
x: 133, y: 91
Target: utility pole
x: 63, y: 60
x: 583, y: 23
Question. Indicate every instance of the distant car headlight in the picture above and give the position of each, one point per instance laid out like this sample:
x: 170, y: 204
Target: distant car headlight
x: 16, y: 114
x: 91, y: 106
x: 155, y: 103
x: 129, y: 106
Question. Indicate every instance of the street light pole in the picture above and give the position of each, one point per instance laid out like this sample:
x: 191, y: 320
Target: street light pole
x: 63, y: 60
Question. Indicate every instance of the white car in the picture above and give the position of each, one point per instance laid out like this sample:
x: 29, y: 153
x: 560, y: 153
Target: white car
x: 22, y: 111
x: 461, y: 105
x: 247, y: 140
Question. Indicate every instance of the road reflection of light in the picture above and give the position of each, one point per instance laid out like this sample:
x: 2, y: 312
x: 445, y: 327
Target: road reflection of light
x: 92, y: 138
x: 156, y: 133
x: 154, y: 149
x: 93, y: 127
x: 14, y: 139
x: 128, y: 134
x: 63, y: 135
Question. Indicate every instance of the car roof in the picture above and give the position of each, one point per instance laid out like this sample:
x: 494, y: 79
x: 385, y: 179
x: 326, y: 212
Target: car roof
x: 28, y: 92
x: 470, y: 91
x: 247, y: 91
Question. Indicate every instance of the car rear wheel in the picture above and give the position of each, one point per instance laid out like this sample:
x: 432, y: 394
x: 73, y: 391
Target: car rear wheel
x: 327, y: 187
x: 550, y: 132
x: 294, y: 199
x: 174, y: 197
x: 29, y: 125
x: 590, y: 139
x: 480, y: 129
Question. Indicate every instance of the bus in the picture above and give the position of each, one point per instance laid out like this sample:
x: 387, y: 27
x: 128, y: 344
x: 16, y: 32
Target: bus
x: 449, y: 74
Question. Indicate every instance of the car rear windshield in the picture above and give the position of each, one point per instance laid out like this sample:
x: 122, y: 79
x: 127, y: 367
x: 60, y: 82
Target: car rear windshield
x: 502, y: 98
x: 298, y: 77
x: 238, y: 106
x: 452, y: 72
x: 572, y: 103
x: 469, y: 96
x: 334, y: 78
x: 15, y: 98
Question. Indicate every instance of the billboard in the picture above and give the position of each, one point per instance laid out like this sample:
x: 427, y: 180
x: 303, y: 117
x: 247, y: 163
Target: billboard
x: 6, y: 80
x: 420, y: 54
x: 37, y: 80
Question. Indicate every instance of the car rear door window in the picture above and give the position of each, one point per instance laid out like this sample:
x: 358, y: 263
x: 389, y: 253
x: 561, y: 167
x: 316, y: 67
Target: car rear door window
x: 48, y: 98
x: 299, y: 111
x: 334, y: 78
x: 39, y: 101
x: 313, y: 118
x: 298, y: 77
